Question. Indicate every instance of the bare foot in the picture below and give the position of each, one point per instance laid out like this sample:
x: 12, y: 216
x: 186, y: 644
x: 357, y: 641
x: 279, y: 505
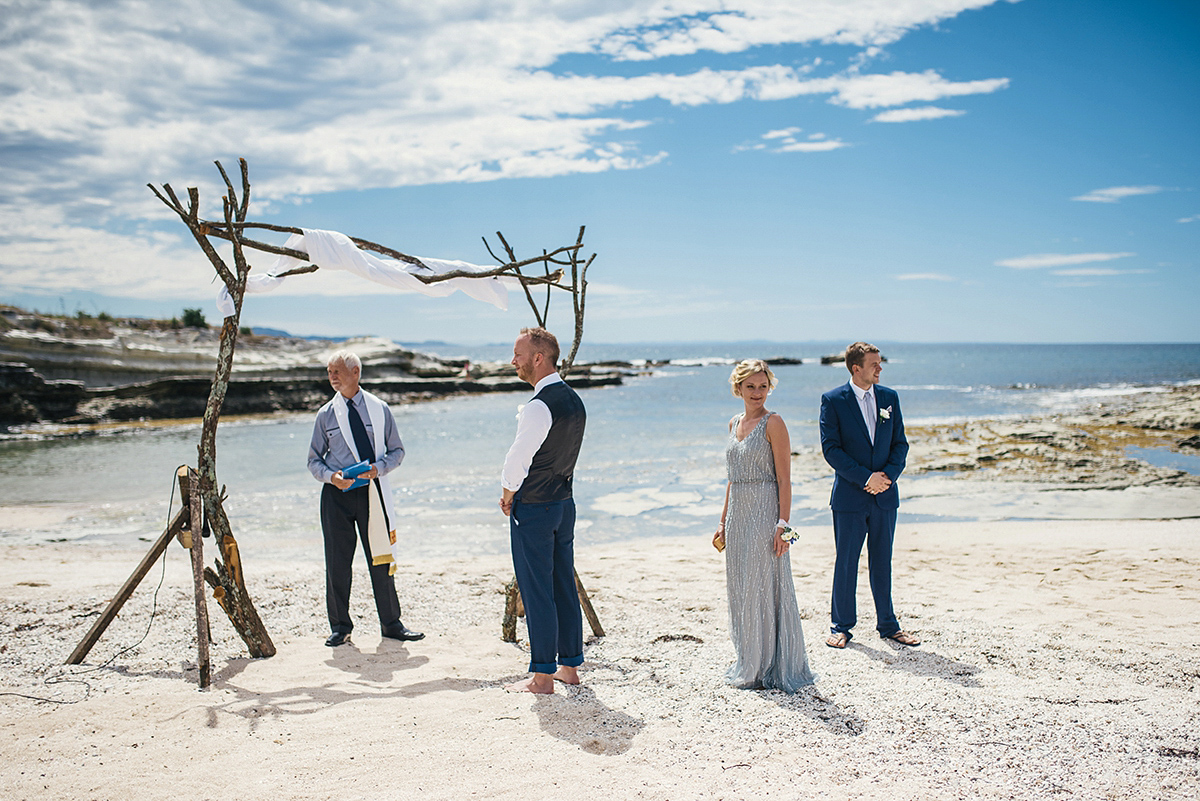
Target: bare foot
x: 567, y: 675
x: 538, y: 683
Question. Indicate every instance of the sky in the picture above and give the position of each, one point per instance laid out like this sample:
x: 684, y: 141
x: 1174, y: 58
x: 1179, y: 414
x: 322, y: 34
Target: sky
x: 782, y: 170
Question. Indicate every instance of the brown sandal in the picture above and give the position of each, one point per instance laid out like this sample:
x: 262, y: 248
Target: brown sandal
x: 838, y: 639
x: 904, y: 638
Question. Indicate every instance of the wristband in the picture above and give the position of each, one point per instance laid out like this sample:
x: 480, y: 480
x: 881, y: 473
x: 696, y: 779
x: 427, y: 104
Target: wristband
x: 782, y: 523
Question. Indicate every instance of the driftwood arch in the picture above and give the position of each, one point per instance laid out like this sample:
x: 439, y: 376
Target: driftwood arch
x: 226, y: 578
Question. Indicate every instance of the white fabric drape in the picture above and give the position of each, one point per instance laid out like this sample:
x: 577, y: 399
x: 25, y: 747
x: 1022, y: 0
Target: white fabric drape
x: 331, y: 250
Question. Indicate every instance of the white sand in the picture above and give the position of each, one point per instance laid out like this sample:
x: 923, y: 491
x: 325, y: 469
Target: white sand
x: 1060, y: 660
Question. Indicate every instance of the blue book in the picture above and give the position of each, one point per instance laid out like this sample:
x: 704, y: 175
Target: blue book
x: 353, y: 471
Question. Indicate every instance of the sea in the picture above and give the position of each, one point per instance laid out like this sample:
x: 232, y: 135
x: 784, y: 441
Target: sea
x: 652, y: 462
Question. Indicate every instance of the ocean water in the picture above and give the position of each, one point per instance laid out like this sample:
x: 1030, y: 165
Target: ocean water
x: 652, y: 462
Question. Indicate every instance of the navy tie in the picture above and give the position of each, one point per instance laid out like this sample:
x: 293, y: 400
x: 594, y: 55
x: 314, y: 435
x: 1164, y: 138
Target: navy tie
x: 361, y: 441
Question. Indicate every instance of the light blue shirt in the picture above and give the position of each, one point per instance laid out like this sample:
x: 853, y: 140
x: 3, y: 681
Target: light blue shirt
x: 328, y: 452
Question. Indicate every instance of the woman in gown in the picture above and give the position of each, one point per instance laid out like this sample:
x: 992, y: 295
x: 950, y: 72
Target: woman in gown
x: 764, y: 621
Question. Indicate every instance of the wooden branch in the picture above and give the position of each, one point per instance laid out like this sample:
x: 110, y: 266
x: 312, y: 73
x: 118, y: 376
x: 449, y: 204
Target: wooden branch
x: 196, y: 226
x: 195, y: 510
x: 578, y: 298
x: 229, y: 193
x: 512, y: 258
x: 245, y: 190
x: 546, y: 307
x: 219, y: 230
x: 585, y: 604
x: 308, y: 268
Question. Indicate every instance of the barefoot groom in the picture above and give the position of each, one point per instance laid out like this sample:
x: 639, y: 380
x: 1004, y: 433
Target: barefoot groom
x: 536, y: 482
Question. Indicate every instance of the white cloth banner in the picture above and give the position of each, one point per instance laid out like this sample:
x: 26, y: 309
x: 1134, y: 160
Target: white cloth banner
x: 331, y: 250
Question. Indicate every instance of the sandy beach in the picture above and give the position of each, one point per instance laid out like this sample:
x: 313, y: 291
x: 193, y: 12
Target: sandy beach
x: 1059, y: 658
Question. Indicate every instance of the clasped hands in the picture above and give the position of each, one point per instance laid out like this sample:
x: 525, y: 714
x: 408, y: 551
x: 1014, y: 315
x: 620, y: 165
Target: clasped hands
x: 877, y: 483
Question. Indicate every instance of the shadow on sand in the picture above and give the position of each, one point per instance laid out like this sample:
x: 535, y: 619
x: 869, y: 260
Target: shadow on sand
x: 577, y: 716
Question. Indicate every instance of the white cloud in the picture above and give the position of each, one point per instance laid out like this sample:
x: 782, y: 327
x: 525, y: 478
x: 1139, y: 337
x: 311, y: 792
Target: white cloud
x: 898, y: 88
x: 1058, y: 259
x: 1098, y: 271
x: 820, y: 146
x: 784, y: 132
x: 101, y: 98
x: 816, y: 143
x: 682, y: 28
x: 1193, y: 218
x: 924, y: 277
x: 1114, y: 193
x: 912, y: 114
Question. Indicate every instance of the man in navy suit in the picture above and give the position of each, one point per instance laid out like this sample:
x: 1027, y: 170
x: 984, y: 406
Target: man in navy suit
x: 862, y: 437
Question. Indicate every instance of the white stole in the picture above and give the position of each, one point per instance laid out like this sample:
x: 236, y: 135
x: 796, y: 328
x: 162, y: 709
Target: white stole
x: 381, y: 514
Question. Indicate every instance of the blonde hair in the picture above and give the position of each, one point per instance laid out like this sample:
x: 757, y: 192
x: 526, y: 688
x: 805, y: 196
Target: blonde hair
x: 747, y: 368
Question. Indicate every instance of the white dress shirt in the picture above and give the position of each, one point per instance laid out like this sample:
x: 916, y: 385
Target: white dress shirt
x: 533, y: 424
x: 868, y: 411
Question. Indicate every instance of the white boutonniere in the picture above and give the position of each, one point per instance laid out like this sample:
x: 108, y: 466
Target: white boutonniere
x: 885, y: 414
x: 520, y: 408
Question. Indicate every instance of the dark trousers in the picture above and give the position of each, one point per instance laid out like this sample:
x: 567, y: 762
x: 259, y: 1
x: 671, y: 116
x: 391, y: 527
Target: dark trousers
x: 878, y: 527
x: 341, y: 512
x: 543, y: 551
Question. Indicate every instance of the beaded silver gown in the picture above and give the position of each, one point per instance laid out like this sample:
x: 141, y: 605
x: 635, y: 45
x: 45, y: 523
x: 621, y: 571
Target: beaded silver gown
x: 764, y: 621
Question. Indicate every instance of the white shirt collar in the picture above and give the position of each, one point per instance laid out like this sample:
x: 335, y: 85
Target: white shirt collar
x: 861, y: 393
x: 553, y: 378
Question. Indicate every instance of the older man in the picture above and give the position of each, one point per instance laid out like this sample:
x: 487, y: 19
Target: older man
x: 537, y: 497
x: 352, y: 428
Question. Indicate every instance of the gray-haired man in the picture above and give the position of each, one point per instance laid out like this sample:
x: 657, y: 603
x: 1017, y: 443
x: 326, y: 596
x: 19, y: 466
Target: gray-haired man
x: 353, y: 427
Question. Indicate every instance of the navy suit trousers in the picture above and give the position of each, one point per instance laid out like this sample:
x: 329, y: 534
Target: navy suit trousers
x: 543, y: 551
x: 878, y: 527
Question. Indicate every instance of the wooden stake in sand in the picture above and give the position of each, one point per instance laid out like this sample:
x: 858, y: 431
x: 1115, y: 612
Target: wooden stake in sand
x: 192, y: 503
x: 514, y: 608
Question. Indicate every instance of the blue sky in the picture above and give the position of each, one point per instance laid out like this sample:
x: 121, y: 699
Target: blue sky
x: 915, y: 170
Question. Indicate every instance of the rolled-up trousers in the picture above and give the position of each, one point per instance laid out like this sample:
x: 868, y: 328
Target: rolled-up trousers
x: 543, y: 551
x: 341, y: 513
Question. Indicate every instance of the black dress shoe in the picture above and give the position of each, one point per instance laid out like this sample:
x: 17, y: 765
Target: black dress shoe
x: 338, y: 638
x: 398, y: 631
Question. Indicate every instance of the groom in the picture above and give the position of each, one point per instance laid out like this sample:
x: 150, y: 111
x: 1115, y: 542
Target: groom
x: 536, y: 495
x: 862, y: 437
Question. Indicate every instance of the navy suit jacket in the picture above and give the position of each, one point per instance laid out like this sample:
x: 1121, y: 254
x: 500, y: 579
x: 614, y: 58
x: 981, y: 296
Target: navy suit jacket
x: 846, y: 444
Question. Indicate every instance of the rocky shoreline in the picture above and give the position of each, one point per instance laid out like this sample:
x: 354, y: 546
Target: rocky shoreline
x: 61, y: 376
x: 1088, y: 449
x: 1085, y: 450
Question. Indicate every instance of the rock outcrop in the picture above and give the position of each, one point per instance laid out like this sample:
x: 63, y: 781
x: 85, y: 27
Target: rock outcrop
x: 91, y: 370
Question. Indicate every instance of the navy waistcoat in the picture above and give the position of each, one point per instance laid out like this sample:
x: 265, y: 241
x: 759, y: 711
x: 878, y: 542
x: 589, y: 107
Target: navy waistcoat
x: 553, y: 466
